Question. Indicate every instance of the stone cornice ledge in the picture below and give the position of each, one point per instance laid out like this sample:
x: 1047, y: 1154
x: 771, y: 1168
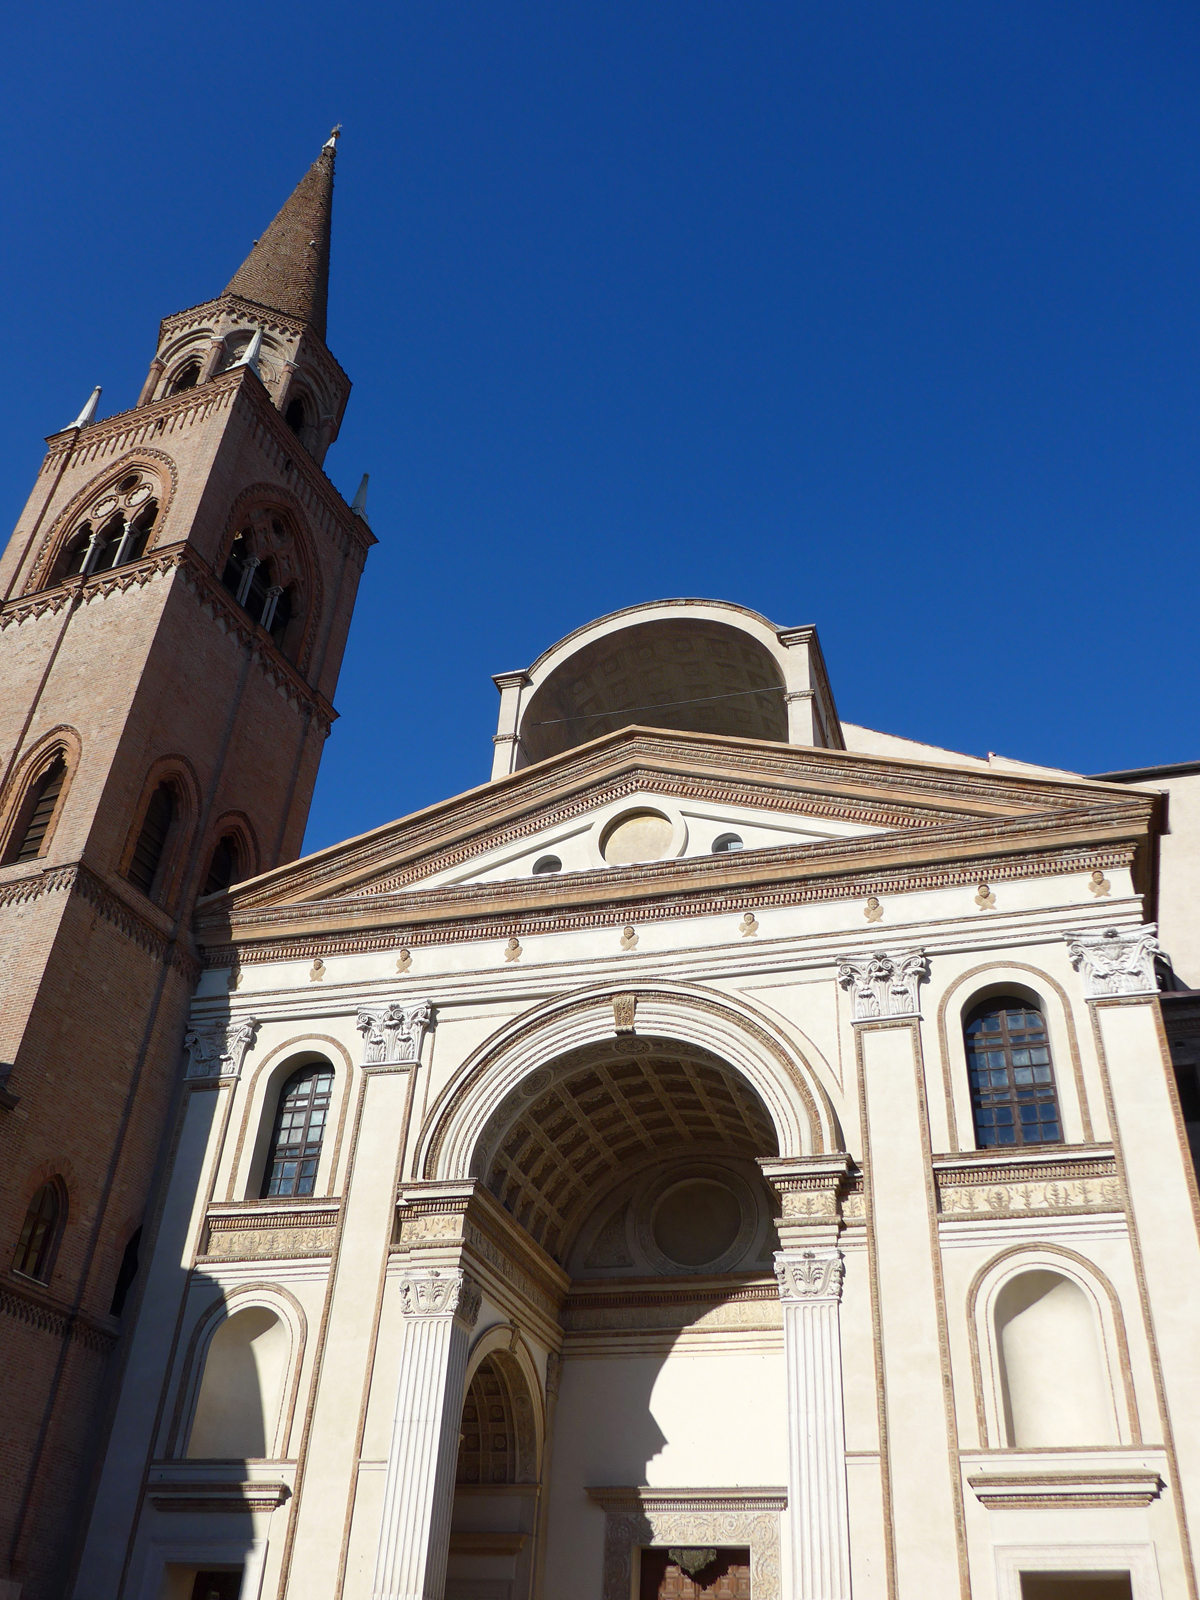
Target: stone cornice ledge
x: 223, y: 1497
x: 1033, y: 1491
x: 644, y: 1498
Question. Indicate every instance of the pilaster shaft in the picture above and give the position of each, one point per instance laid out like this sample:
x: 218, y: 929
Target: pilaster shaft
x: 440, y: 1308
x: 810, y: 1287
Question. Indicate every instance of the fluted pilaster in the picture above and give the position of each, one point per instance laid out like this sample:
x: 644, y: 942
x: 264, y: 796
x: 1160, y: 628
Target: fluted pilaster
x: 440, y: 1308
x: 810, y: 1288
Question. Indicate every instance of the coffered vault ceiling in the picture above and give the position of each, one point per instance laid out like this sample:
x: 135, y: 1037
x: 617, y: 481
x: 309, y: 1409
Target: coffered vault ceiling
x: 635, y: 1102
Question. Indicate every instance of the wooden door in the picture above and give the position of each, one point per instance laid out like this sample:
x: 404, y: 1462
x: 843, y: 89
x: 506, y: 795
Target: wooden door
x: 725, y: 1577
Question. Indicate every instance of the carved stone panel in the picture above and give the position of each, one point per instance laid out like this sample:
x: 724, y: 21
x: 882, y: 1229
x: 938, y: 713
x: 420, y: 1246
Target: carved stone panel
x: 394, y: 1033
x: 697, y: 1518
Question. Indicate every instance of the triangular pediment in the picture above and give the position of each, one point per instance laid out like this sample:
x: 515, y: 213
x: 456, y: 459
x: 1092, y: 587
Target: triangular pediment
x: 797, y: 811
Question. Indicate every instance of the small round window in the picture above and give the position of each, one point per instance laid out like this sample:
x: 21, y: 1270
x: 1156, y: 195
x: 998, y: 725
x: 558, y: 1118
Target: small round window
x: 547, y: 864
x: 725, y: 843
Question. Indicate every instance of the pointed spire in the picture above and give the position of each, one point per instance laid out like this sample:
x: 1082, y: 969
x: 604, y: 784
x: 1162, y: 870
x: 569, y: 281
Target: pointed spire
x: 288, y: 268
x: 89, y: 411
x: 253, y: 351
x: 359, y: 505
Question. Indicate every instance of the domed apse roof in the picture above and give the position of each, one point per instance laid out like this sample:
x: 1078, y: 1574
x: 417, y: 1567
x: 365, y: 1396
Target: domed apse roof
x: 694, y: 666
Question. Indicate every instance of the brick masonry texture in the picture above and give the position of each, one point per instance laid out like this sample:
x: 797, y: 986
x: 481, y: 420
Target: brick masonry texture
x: 138, y: 672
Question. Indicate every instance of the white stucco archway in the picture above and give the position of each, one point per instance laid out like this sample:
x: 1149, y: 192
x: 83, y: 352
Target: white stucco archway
x: 752, y: 1045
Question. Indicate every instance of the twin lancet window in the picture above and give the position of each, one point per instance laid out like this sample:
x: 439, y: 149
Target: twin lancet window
x: 252, y: 584
x: 115, y: 530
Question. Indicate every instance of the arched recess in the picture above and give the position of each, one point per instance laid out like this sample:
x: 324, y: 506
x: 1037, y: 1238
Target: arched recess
x: 177, y: 772
x: 220, y: 1372
x: 503, y: 1347
x: 274, y: 527
x: 498, y: 1471
x: 61, y: 743
x: 261, y: 1097
x: 997, y: 1297
x: 1032, y: 983
x: 235, y: 828
x: 522, y: 1059
x: 156, y: 470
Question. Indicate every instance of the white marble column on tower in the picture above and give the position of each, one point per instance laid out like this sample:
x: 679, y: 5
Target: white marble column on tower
x: 440, y: 1308
x: 810, y: 1287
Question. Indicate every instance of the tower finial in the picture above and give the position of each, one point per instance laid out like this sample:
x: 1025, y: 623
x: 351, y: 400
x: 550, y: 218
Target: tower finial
x: 89, y: 411
x: 288, y: 268
x: 331, y: 142
x: 359, y: 505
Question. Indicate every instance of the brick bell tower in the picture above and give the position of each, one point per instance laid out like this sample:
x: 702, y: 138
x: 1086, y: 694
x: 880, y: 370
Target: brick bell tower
x: 174, y: 603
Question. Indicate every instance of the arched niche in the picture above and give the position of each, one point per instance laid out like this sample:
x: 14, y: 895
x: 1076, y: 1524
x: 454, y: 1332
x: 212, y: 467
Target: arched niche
x: 1053, y: 1380
x: 238, y: 1404
x: 1050, y: 1354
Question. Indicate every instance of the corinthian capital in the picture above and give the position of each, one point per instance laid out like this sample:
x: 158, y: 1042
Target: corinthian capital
x: 810, y: 1275
x: 440, y: 1292
x: 884, y: 983
x: 1117, y: 961
x: 393, y: 1033
x: 218, y: 1050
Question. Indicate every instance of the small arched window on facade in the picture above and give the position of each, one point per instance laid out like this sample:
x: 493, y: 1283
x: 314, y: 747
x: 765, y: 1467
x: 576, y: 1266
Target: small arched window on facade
x: 1014, y: 1100
x: 31, y: 830
x: 295, y: 416
x: 298, y: 1133
x: 144, y: 864
x: 726, y: 843
x: 40, y: 1232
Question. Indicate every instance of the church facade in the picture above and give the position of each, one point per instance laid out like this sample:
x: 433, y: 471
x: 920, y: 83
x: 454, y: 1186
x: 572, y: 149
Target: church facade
x: 730, y: 1154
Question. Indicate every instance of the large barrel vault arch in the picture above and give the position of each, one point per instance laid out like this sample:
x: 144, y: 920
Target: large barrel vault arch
x: 741, y: 1066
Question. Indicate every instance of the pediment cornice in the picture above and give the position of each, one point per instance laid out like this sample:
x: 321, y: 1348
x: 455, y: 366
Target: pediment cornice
x: 372, y: 889
x: 911, y: 797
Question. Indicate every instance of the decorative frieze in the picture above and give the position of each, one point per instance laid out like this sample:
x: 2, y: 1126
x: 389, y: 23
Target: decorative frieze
x: 1020, y: 1185
x: 218, y: 1050
x: 394, y: 1033
x: 1117, y: 961
x: 884, y: 984
x: 271, y: 1234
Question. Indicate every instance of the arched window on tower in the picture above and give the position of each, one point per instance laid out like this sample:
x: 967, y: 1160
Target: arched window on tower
x: 1013, y: 1096
x: 295, y: 416
x: 125, y: 518
x: 187, y: 377
x: 31, y: 832
x: 144, y: 864
x: 41, y: 1232
x: 225, y: 867
x: 299, y: 1130
x: 246, y: 577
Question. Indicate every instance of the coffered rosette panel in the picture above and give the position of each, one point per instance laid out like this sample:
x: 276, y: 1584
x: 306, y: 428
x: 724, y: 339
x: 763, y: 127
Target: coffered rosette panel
x: 570, y: 1134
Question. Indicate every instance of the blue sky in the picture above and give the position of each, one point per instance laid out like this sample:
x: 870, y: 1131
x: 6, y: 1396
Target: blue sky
x: 878, y: 317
